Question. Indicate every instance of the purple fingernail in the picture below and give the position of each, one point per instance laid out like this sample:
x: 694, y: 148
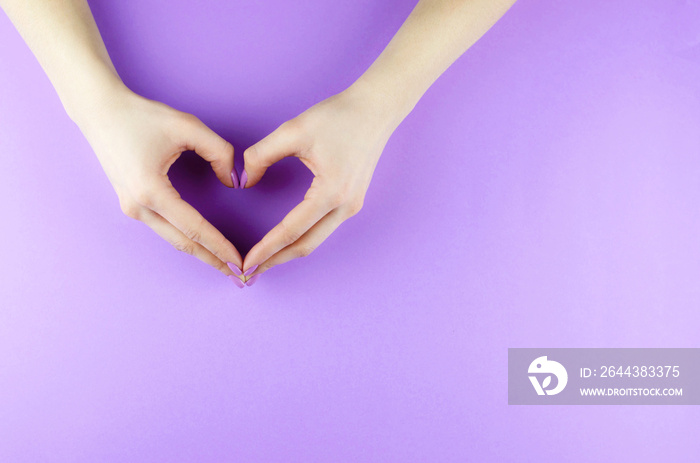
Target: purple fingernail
x: 234, y: 268
x: 244, y: 179
x: 234, y: 178
x: 236, y: 281
x: 252, y: 280
x: 250, y: 270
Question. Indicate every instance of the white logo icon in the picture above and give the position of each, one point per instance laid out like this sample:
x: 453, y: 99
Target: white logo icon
x: 542, y: 365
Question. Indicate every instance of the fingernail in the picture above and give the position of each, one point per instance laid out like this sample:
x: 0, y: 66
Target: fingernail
x: 236, y: 281
x: 252, y: 280
x: 234, y: 268
x: 250, y: 270
x: 244, y: 179
x: 234, y: 178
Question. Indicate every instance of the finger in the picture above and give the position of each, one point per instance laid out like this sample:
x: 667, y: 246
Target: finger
x: 305, y: 245
x: 292, y: 227
x: 180, y: 242
x: 283, y: 142
x: 190, y: 222
x: 210, y: 146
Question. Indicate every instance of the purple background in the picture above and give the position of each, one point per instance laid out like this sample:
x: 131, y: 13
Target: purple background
x: 544, y: 193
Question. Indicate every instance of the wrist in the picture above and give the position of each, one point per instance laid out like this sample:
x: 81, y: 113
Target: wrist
x: 386, y: 107
x: 86, y: 102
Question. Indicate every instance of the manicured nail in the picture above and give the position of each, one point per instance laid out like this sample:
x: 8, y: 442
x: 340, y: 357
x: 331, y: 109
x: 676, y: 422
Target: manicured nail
x: 236, y: 281
x: 234, y: 268
x: 244, y: 179
x: 234, y: 178
x: 252, y: 280
x: 250, y: 270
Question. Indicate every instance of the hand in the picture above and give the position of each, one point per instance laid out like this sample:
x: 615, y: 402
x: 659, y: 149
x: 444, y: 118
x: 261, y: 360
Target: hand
x: 136, y: 141
x: 340, y: 140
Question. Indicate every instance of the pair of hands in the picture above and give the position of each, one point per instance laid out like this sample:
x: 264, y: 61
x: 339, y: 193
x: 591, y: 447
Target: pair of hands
x: 340, y: 140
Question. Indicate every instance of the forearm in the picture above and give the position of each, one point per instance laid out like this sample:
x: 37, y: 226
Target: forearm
x: 436, y: 33
x: 63, y: 36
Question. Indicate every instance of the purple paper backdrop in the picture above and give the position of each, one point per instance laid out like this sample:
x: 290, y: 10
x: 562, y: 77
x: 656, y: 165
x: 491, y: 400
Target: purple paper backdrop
x: 544, y: 193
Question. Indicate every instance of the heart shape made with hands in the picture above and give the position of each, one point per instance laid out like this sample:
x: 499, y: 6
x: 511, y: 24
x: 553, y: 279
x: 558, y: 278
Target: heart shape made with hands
x: 242, y: 216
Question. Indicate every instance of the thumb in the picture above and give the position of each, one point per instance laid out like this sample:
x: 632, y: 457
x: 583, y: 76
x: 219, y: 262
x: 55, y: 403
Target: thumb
x: 212, y: 148
x: 280, y: 144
